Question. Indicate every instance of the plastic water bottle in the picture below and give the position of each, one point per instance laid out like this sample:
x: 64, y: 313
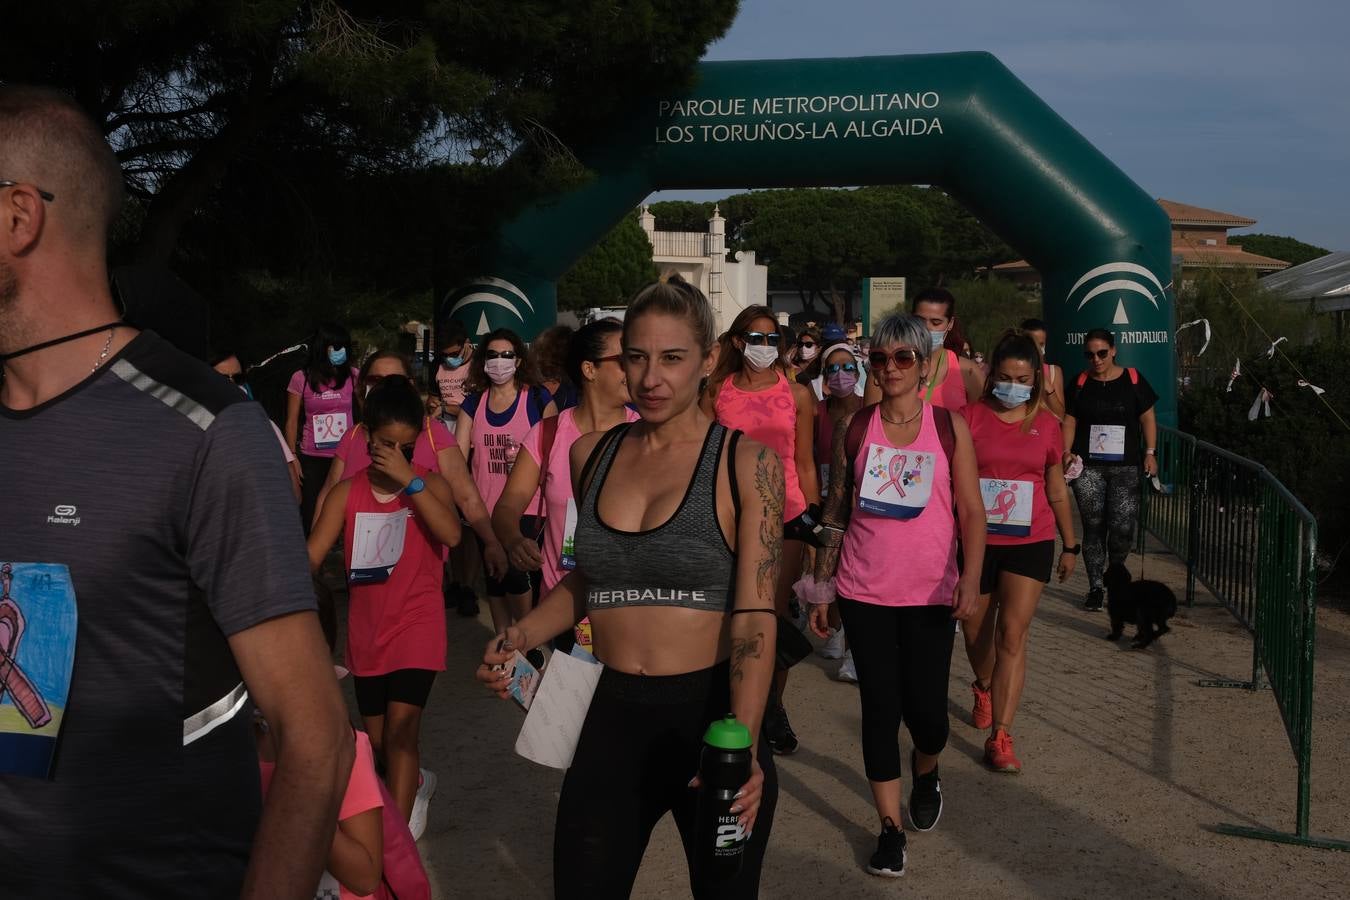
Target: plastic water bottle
x: 724, y: 766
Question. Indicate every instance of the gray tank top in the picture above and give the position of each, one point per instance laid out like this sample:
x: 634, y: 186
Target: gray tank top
x: 684, y: 562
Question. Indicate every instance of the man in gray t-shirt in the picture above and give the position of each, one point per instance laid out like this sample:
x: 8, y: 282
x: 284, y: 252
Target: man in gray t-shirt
x: 153, y: 578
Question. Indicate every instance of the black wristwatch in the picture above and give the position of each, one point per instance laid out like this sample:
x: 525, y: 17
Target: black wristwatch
x: 1074, y: 550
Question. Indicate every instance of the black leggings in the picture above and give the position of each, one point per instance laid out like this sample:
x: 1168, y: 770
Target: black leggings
x: 903, y: 655
x: 638, y: 750
x: 313, y: 473
x: 1108, y: 502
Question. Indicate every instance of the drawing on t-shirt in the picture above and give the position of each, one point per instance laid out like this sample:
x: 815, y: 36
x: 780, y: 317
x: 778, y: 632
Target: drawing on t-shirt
x: 1007, y: 506
x: 37, y: 654
x: 896, y: 483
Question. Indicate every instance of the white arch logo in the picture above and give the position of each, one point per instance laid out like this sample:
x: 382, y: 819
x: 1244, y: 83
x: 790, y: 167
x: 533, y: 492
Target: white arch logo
x: 1142, y: 282
x: 489, y: 291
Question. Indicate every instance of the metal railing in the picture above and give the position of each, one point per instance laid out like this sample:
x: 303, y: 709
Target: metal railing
x: 1247, y: 539
x: 691, y: 244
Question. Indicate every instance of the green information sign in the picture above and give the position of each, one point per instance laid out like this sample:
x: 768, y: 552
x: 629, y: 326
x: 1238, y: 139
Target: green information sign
x: 960, y: 121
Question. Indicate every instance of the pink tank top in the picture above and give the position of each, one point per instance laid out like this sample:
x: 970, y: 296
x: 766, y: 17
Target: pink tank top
x: 891, y: 561
x: 560, y: 508
x: 951, y: 393
x: 398, y: 623
x: 491, y: 460
x: 770, y: 417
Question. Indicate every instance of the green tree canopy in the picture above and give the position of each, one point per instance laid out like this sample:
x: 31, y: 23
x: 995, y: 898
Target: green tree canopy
x: 611, y: 271
x: 1278, y: 246
x: 188, y: 89
x: 822, y: 241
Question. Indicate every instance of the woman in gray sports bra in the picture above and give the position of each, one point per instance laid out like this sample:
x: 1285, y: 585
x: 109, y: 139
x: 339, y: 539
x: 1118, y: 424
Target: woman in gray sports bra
x: 679, y: 534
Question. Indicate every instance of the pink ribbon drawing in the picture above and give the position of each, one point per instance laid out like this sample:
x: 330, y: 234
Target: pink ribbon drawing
x: 896, y: 474
x: 1004, y: 504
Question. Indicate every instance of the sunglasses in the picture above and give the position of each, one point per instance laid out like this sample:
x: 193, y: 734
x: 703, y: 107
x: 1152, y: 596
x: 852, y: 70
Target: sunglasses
x: 45, y: 195
x: 836, y: 368
x: 903, y: 359
x: 499, y: 354
x: 1096, y: 354
x: 617, y: 357
x: 760, y: 339
x: 806, y: 344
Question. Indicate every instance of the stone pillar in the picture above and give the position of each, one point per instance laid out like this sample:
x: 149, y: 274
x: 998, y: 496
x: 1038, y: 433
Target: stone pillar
x: 648, y: 223
x: 717, y: 256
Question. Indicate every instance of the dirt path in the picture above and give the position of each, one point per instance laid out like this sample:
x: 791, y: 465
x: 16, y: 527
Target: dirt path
x: 1128, y: 766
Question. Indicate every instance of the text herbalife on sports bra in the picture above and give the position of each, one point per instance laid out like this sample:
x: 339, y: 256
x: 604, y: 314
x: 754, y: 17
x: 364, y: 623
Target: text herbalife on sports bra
x: 647, y: 595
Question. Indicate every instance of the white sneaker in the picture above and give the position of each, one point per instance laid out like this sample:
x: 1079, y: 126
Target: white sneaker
x: 417, y: 823
x: 846, y: 670
x: 833, y: 648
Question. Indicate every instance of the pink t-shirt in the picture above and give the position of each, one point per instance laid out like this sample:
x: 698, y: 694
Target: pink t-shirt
x: 450, y: 382
x: 325, y: 415
x: 286, y: 451
x: 491, y: 463
x: 770, y: 417
x: 560, y: 511
x: 908, y: 560
x: 362, y: 795
x: 1012, y: 461
x: 951, y: 393
x: 355, y: 453
x: 398, y: 623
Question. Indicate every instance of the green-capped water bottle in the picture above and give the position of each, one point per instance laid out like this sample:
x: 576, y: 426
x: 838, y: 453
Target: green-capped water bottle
x: 724, y: 766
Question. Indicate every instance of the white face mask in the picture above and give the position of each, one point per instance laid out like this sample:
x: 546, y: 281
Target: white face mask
x: 809, y: 353
x: 500, y: 370
x: 761, y: 357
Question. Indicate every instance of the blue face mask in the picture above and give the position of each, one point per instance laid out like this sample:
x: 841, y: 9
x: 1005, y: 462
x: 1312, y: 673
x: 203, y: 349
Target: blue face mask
x: 453, y: 362
x: 337, y: 355
x: 1011, y: 394
x: 936, y: 339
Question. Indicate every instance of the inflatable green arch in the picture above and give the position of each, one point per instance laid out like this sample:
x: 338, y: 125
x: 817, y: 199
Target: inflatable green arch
x: 960, y: 121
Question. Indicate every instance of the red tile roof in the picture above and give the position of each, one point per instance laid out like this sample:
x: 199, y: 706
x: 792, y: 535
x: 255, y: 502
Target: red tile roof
x: 1231, y: 257
x: 1185, y: 214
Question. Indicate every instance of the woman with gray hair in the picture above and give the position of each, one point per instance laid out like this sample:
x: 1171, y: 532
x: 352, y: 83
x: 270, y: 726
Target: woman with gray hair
x: 903, y: 475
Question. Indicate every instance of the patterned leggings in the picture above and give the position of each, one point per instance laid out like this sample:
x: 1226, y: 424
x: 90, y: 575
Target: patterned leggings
x: 1108, y: 501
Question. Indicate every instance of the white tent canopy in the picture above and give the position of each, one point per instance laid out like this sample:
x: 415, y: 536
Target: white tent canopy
x: 1325, y: 281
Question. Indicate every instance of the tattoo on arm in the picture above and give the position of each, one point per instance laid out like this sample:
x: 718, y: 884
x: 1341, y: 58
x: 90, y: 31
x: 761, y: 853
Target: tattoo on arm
x: 838, y: 503
x: 743, y: 649
x: 770, y: 486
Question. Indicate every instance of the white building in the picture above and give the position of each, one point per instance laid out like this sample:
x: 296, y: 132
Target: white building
x: 700, y: 258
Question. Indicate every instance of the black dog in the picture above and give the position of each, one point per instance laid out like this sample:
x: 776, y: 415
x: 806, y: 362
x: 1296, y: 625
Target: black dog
x: 1145, y: 604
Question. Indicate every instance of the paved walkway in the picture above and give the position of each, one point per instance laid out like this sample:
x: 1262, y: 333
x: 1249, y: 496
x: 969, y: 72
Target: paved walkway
x: 1128, y: 766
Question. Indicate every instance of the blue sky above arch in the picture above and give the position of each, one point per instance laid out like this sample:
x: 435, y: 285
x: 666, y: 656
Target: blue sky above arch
x: 1238, y: 106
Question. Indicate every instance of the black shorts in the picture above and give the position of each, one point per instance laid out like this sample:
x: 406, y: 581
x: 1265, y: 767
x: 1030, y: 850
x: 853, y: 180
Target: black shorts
x: 514, y: 581
x: 1031, y: 560
x: 374, y: 693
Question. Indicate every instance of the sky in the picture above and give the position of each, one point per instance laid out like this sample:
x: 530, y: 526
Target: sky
x: 1241, y: 106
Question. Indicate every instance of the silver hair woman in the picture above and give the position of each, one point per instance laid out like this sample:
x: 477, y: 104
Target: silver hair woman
x: 902, y: 477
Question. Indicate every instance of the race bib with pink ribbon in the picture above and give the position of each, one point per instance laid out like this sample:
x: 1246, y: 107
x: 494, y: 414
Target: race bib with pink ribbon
x: 377, y: 545
x: 1007, y: 506
x: 896, y: 483
x: 328, y: 429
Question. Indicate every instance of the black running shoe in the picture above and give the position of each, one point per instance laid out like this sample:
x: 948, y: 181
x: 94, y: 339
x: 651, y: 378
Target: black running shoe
x: 925, y: 799
x: 1093, y: 603
x: 889, y: 860
x: 782, y: 739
